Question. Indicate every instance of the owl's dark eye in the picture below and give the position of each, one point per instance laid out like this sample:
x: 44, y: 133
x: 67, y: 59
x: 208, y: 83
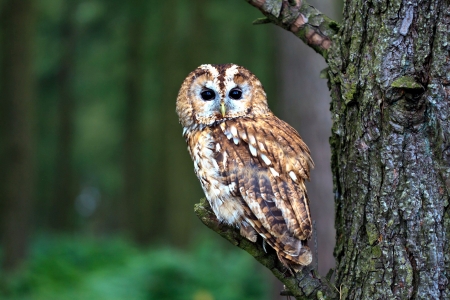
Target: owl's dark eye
x: 235, y: 94
x: 208, y: 95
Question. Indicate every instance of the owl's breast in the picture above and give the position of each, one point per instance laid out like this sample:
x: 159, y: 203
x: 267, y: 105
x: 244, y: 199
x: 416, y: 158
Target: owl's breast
x: 210, y: 162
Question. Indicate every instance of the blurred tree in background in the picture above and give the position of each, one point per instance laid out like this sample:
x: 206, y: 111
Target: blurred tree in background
x: 90, y: 145
x: 110, y: 156
x: 17, y: 128
x: 90, y: 142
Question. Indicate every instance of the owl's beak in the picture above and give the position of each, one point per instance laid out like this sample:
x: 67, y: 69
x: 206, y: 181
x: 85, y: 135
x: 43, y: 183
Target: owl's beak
x: 223, y: 110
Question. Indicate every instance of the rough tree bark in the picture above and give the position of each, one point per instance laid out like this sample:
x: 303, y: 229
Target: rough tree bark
x: 388, y: 73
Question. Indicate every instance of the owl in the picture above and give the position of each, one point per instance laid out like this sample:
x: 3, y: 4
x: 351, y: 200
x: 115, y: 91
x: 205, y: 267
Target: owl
x: 252, y: 166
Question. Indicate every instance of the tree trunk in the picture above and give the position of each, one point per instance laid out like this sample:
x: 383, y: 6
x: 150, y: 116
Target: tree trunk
x: 388, y: 76
x: 132, y: 171
x: 179, y: 49
x: 391, y: 149
x: 62, y: 216
x: 18, y: 93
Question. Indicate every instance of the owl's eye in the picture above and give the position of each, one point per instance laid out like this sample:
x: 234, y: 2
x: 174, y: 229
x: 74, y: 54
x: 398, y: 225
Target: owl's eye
x: 235, y: 94
x: 208, y: 95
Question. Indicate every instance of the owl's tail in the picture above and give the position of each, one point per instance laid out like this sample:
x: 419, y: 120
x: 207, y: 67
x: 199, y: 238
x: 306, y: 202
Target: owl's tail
x: 292, y: 252
x: 303, y: 258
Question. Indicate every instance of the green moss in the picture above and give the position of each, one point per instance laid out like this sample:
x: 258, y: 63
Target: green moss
x: 372, y: 233
x: 260, y: 21
x: 409, y: 275
x: 320, y: 295
x: 406, y: 82
x: 349, y: 86
x: 343, y: 292
x: 376, y: 251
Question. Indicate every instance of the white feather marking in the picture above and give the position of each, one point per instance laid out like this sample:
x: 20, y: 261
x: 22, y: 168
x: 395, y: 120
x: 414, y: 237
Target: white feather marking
x: 236, y: 140
x: 274, y: 173
x: 233, y: 131
x: 293, y: 176
x: 214, y: 182
x: 217, y: 147
x: 266, y: 159
x: 261, y: 146
x: 232, y: 186
x: 229, y: 77
x: 243, y: 135
x: 216, y: 191
x: 229, y: 135
x: 251, y: 139
x: 252, y: 150
x: 223, y: 127
x: 224, y: 161
x: 211, y: 69
x: 231, y: 71
x: 185, y: 130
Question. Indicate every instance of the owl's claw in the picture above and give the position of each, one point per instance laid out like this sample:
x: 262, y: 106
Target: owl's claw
x: 264, y: 245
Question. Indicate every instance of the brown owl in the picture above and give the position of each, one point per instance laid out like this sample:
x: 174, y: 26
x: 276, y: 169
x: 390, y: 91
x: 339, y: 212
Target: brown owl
x: 252, y: 166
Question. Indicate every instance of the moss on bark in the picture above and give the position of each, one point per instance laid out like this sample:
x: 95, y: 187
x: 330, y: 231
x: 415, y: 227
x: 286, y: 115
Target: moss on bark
x: 390, y: 144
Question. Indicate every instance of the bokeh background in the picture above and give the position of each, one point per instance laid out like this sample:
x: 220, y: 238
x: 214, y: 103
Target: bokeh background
x: 97, y: 188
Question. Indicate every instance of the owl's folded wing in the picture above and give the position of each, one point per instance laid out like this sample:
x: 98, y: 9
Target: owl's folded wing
x: 258, y: 167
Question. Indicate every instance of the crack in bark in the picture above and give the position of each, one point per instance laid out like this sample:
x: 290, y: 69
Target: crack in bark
x: 415, y: 280
x: 429, y: 59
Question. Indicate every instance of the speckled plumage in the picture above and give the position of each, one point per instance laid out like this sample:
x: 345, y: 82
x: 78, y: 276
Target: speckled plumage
x: 251, y: 165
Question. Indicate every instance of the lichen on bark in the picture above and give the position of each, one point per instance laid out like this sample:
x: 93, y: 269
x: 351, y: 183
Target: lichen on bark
x: 390, y: 149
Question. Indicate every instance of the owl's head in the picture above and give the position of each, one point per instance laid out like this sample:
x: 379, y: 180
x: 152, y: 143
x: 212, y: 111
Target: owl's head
x: 213, y: 93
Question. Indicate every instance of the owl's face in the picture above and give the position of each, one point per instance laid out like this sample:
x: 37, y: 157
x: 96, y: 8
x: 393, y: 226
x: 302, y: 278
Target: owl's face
x: 213, y: 93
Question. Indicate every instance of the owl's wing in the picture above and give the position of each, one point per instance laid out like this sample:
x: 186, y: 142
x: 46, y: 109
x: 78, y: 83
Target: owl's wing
x: 265, y: 163
x: 275, y: 142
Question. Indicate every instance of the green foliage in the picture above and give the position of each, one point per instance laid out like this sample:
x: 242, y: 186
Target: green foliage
x: 75, y: 268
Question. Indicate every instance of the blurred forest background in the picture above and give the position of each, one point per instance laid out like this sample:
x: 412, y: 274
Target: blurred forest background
x: 96, y: 186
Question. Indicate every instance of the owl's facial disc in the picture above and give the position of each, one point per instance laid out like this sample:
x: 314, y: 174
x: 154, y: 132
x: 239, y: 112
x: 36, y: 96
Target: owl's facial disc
x: 206, y: 96
x: 220, y: 92
x: 238, y: 98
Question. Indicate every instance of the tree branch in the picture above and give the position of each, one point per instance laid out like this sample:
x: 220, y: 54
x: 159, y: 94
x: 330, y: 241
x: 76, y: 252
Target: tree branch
x: 305, y: 285
x: 302, y: 19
